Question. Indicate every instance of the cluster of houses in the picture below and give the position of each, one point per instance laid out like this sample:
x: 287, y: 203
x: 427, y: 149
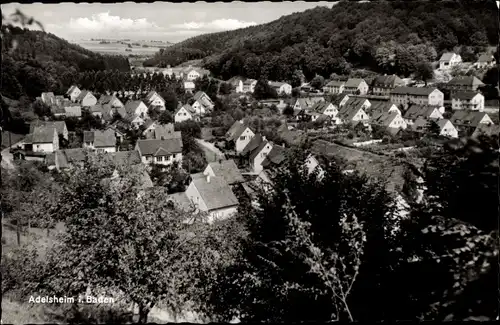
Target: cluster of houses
x: 187, y: 74
x: 449, y: 60
x: 247, y: 85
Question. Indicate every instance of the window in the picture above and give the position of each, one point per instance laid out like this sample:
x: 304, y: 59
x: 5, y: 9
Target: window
x: 242, y: 138
x: 160, y: 158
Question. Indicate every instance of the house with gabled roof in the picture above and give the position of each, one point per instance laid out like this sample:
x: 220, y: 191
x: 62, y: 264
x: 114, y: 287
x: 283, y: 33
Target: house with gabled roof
x: 352, y: 113
x: 48, y: 98
x: 425, y: 111
x: 485, y: 60
x: 42, y: 139
x: 73, y: 93
x: 490, y: 130
x: 153, y: 99
x: 306, y: 103
x: 101, y: 141
x: 213, y: 196
x: 111, y: 101
x: 383, y: 85
x: 86, y: 99
x: 467, y: 121
x: 447, y: 129
x: 65, y: 159
x: 405, y: 96
x: 136, y: 108
x: 189, y: 86
x: 184, y: 113
x: 381, y: 106
x: 161, y: 132
x: 281, y: 88
x: 356, y: 86
x: 163, y: 152
x: 334, y: 87
x: 467, y: 100
x: 468, y: 83
x: 202, y: 103
x: 247, y: 86
x: 274, y: 158
x: 225, y: 169
x: 448, y: 60
x: 257, y: 156
x: 240, y: 134
x: 60, y: 127
x: 391, y: 120
x: 326, y: 108
x: 71, y: 109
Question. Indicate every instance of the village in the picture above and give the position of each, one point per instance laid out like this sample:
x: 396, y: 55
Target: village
x: 362, y: 115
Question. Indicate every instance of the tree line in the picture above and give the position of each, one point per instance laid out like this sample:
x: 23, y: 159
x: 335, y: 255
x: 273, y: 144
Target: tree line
x: 387, y: 37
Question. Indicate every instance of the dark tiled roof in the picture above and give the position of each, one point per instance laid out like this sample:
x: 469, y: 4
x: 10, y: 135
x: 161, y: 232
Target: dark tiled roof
x: 252, y: 145
x: 465, y: 81
x: 415, y: 91
x: 275, y: 157
x: 88, y: 136
x: 150, y: 147
x: 486, y: 58
x: 59, y: 125
x: 467, y: 118
x: 104, y: 138
x: 387, y: 81
x: 216, y: 193
x: 446, y: 56
x: 463, y: 95
x: 385, y: 119
x: 228, y: 170
x: 69, y: 156
x: 256, y: 151
x: 131, y: 157
x: 353, y: 82
x: 335, y: 83
x: 83, y: 94
x: 132, y: 106
x: 43, y: 134
x: 236, y: 130
x: 414, y: 111
x: 320, y: 107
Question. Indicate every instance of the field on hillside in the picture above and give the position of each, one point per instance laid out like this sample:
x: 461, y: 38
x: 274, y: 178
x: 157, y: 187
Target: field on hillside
x: 117, y: 48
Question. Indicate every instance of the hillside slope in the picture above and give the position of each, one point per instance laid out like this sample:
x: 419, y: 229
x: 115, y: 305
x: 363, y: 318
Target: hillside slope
x: 389, y: 37
x: 35, y: 61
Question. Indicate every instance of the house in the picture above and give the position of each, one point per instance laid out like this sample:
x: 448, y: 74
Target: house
x: 43, y: 139
x: 161, y: 132
x: 282, y: 88
x: 485, y: 61
x: 162, y: 152
x: 325, y: 108
x: 193, y: 73
x: 258, y: 155
x: 240, y: 134
x: 71, y: 109
x: 134, y: 121
x: 213, y: 196
x: 154, y: 100
x: 306, y: 103
x: 334, y: 87
x: 383, y: 85
x: 184, y: 113
x: 86, y: 99
x: 449, y: 60
x: 136, y: 108
x: 57, y: 111
x: 447, y: 129
x: 111, y: 101
x: 65, y: 159
x: 425, y: 111
x: 127, y: 158
x: 101, y: 141
x: 391, y: 120
x: 312, y: 165
x: 468, y: 83
x: 99, y: 110
x: 73, y: 93
x: 379, y: 107
x: 248, y: 86
x: 202, y: 103
x: 490, y: 130
x: 48, y: 98
x: 189, y: 86
x: 467, y: 100
x: 405, y: 96
x: 60, y: 127
x: 352, y: 112
x: 227, y: 170
x: 274, y: 158
x: 356, y: 86
x: 468, y: 121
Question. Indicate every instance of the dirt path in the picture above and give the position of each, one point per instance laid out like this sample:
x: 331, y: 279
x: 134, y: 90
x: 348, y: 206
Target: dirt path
x: 210, y: 147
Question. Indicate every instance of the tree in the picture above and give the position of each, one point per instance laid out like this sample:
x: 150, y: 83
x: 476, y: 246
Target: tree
x: 225, y: 88
x: 317, y: 82
x: 166, y: 117
x: 263, y: 90
x: 288, y: 110
x: 140, y: 235
x: 424, y: 72
x: 171, y: 102
x: 433, y: 128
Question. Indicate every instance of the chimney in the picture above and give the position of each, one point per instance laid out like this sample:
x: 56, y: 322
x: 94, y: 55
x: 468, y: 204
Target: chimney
x: 208, y: 178
x: 264, y: 138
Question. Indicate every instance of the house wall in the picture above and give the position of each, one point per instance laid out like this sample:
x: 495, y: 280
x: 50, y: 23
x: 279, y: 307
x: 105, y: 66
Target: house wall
x: 363, y: 88
x: 449, y: 131
x: 221, y: 214
x: 476, y: 103
x: 243, y: 140
x: 141, y: 109
x: 195, y: 197
x: 89, y: 100
x: 193, y: 75
x: 106, y: 149
x: 486, y: 120
x: 182, y: 115
x: 157, y: 102
x: 286, y: 89
x: 331, y: 111
x: 198, y: 107
x: 436, y: 114
x: 261, y: 156
x: 398, y: 122
x: 360, y: 116
x: 74, y: 94
x: 44, y: 147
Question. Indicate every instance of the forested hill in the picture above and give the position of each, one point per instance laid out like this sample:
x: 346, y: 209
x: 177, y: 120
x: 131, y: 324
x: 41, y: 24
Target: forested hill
x: 36, y: 61
x: 389, y: 37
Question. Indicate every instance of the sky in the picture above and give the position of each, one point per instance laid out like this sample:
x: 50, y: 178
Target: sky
x: 163, y: 21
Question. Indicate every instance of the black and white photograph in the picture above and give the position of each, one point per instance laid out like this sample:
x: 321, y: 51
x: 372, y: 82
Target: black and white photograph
x: 234, y: 162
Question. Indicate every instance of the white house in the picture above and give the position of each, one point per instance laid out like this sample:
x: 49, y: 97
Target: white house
x: 306, y: 103
x: 202, y: 103
x: 356, y: 86
x: 485, y: 61
x: 282, y: 88
x: 73, y: 93
x: 60, y: 127
x: 259, y: 154
x: 135, y: 121
x: 392, y: 120
x: 111, y: 101
x: 467, y: 100
x: 101, y: 141
x: 313, y: 165
x: 334, y: 87
x: 184, y: 113
x: 189, y: 86
x: 417, y: 95
x: 449, y: 60
x: 383, y: 85
x: 86, y: 99
x: 136, y: 108
x: 326, y: 109
x: 155, y: 100
x: 447, y: 128
x: 226, y: 169
x: 422, y: 111
x: 213, y: 196
x: 43, y: 139
x: 247, y: 86
x: 240, y: 134
x: 162, y: 152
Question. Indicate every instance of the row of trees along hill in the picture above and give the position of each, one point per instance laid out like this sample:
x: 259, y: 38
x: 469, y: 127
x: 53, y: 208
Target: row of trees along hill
x: 35, y: 61
x: 388, y: 37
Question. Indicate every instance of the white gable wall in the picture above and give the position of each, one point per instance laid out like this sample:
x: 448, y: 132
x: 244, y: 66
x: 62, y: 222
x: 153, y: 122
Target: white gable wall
x: 182, y: 115
x: 244, y: 139
x: 261, y: 156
